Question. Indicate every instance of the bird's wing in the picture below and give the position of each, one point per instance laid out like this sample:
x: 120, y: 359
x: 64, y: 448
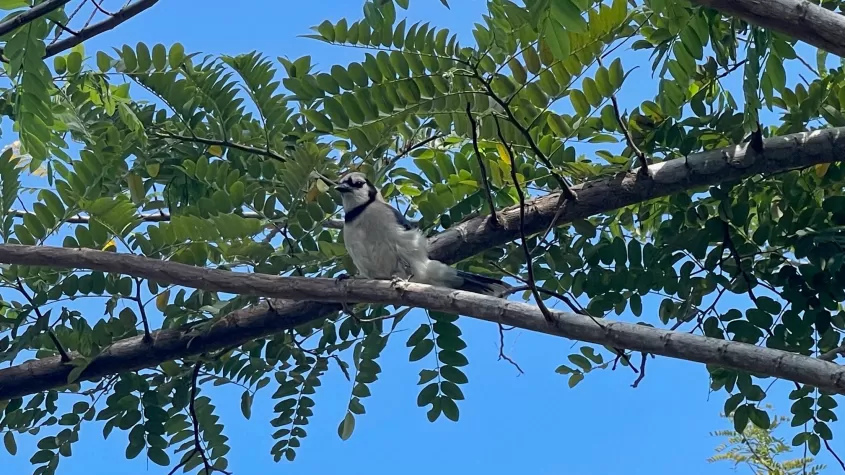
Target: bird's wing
x: 400, y: 219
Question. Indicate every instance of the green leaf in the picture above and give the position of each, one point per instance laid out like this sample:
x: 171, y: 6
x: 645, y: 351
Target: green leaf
x: 421, y: 350
x: 579, y: 102
x: 449, y: 408
x: 159, y: 57
x: 246, y: 404
x: 347, y: 425
x: 567, y: 14
x: 741, y: 417
x: 557, y: 39
x: 9, y: 442
x: 427, y: 394
x: 453, y: 374
x: 177, y: 55
x: 158, y: 456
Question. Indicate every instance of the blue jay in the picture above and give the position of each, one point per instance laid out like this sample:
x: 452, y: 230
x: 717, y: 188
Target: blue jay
x: 385, y: 246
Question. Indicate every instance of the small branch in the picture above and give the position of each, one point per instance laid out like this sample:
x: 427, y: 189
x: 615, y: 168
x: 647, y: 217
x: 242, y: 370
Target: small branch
x: 62, y: 353
x: 485, y: 182
x: 564, y: 186
x: 158, y: 217
x: 119, y: 17
x: 220, y: 143
x: 642, y: 370
x: 195, y: 420
x: 832, y: 354
x: 502, y: 355
x: 143, y: 311
x: 31, y: 15
x: 644, y: 162
x: 528, y: 259
x: 736, y: 257
x: 411, y: 147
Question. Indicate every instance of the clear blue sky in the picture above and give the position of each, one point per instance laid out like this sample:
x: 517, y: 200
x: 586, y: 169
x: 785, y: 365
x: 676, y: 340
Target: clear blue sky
x: 531, y: 423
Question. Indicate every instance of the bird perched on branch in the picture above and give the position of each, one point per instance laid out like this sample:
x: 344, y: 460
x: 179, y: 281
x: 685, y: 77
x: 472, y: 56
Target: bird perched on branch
x: 385, y: 246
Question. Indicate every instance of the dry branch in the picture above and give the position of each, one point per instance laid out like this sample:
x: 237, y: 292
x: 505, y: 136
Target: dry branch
x: 799, y: 19
x: 740, y: 356
x: 461, y: 241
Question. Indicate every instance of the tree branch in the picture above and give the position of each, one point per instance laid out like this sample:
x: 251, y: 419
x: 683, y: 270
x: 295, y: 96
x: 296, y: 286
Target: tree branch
x: 30, y: 15
x: 486, y: 183
x: 89, y: 32
x: 799, y: 19
x: 460, y: 241
x: 220, y: 143
x: 158, y: 217
x: 133, y: 354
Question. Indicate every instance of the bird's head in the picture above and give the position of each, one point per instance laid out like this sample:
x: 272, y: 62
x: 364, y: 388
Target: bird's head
x: 356, y: 189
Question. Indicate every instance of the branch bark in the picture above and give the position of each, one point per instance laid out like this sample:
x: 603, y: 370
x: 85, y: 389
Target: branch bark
x: 157, y: 217
x: 739, y: 356
x: 799, y: 19
x: 119, y: 17
x: 460, y: 241
x: 32, y: 14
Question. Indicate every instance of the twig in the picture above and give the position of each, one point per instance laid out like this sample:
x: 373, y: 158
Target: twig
x: 528, y: 259
x: 564, y: 186
x: 735, y: 254
x: 502, y: 355
x: 627, y: 133
x: 642, y: 370
x: 485, y: 182
x: 826, y: 444
x: 31, y: 15
x: 832, y: 354
x: 220, y: 143
x: 159, y: 216
x: 195, y: 421
x: 410, y: 148
x: 119, y: 17
x: 147, y: 337
x: 62, y: 353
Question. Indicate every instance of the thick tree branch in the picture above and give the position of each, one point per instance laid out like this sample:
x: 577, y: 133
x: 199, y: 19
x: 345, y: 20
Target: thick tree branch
x: 158, y: 217
x: 48, y: 373
x: 799, y: 19
x: 30, y: 15
x: 460, y: 241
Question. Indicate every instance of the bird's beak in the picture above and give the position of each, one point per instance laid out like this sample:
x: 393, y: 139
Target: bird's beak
x: 342, y: 188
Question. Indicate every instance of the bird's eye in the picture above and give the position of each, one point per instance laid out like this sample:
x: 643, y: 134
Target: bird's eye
x: 358, y: 184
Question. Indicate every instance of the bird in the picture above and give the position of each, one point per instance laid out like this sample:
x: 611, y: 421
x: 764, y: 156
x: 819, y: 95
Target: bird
x: 383, y: 245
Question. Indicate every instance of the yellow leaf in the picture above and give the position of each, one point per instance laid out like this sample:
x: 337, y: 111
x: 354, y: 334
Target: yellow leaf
x: 136, y: 188
x: 153, y: 169
x: 821, y: 169
x: 161, y: 300
x: 215, y: 150
x: 110, y: 246
x: 503, y: 154
x: 312, y: 194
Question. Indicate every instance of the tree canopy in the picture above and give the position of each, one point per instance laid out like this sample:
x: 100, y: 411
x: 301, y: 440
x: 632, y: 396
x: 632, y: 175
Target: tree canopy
x: 181, y: 190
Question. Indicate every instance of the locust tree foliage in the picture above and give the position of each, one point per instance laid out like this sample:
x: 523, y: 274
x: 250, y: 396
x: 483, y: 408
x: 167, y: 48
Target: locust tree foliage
x: 209, y: 160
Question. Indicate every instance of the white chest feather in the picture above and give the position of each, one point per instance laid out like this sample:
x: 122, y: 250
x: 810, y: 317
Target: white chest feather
x: 381, y: 248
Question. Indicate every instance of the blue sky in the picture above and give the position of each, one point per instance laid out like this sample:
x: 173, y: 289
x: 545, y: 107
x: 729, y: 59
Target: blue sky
x: 510, y: 423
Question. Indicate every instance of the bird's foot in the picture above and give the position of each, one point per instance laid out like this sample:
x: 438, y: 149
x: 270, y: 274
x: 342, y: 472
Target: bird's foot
x: 396, y: 280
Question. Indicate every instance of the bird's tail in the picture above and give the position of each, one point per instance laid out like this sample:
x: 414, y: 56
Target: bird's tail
x: 481, y: 284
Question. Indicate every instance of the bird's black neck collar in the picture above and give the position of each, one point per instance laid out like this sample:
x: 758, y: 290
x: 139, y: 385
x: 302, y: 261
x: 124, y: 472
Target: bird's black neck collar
x: 352, y: 214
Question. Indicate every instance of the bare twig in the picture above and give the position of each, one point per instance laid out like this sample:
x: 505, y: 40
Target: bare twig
x: 502, y: 355
x: 142, y: 310
x: 642, y: 370
x: 529, y: 261
x: 728, y: 242
x: 485, y: 182
x: 62, y: 353
x: 566, y: 191
x: 219, y: 143
x: 832, y: 354
x: 644, y: 162
x: 195, y: 420
x: 411, y: 147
